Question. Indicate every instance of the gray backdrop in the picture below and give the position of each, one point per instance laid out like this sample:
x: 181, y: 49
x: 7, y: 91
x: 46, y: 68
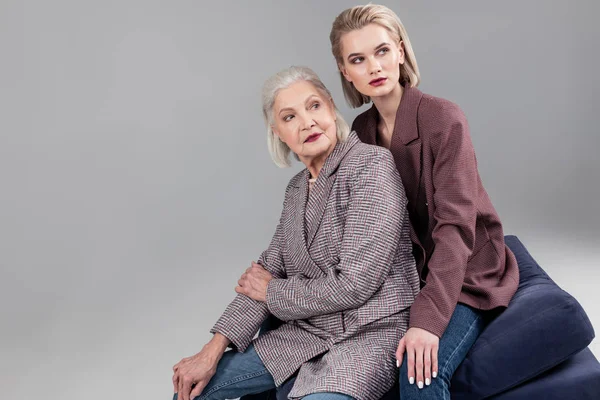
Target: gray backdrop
x: 136, y: 184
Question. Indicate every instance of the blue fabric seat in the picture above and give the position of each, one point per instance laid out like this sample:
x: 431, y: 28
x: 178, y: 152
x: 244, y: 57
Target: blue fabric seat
x: 542, y: 327
x: 576, y: 378
x: 535, y: 349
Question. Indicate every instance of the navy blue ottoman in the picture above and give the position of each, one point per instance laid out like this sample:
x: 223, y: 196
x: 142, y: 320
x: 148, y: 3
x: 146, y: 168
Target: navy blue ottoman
x: 535, y: 349
x: 542, y: 327
x: 576, y: 378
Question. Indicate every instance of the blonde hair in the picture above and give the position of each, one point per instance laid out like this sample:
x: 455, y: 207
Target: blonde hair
x: 357, y: 18
x: 278, y: 150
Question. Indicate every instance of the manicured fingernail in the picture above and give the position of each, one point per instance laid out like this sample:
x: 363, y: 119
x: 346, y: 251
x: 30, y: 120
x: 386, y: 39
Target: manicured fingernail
x: 434, y: 374
x: 420, y: 385
x: 427, y: 381
x: 397, y: 364
x: 411, y: 380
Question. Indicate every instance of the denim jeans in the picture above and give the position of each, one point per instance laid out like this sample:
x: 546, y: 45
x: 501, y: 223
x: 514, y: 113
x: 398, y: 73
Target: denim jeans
x: 241, y: 374
x: 464, y: 328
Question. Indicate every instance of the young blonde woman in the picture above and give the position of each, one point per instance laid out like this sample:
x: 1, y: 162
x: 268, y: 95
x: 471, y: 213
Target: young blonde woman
x: 464, y: 265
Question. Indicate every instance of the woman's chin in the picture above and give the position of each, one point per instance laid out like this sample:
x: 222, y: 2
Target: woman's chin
x: 377, y: 91
x: 316, y: 151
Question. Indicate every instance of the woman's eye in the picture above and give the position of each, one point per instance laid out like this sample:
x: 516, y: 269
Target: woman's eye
x: 383, y: 50
x: 315, y: 106
x: 356, y: 60
x: 288, y: 118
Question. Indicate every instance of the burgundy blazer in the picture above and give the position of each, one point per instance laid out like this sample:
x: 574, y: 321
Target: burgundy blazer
x: 457, y: 236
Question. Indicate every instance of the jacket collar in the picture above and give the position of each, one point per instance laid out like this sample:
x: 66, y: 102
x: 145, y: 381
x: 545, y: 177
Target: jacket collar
x: 405, y: 125
x: 334, y: 159
x: 311, y: 208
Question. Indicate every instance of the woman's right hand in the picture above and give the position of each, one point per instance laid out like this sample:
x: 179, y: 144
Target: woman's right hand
x: 192, y: 374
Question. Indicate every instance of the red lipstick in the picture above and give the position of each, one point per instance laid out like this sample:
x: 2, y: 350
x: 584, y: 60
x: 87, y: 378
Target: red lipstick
x: 378, y: 82
x: 312, y: 138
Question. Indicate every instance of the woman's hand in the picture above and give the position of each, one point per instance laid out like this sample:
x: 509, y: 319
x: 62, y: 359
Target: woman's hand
x: 192, y: 374
x: 421, y: 348
x: 253, y: 282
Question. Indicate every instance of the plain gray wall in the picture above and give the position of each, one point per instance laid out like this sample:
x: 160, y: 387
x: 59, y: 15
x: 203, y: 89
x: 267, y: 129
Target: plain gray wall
x: 136, y: 185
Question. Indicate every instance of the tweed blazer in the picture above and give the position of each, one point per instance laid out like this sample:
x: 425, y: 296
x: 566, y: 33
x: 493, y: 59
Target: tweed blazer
x: 344, y: 279
x: 458, y: 237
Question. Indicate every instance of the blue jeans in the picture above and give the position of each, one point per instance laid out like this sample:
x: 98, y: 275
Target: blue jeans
x: 464, y: 328
x: 241, y: 374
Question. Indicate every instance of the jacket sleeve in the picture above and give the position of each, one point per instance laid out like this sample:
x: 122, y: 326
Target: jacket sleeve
x: 243, y: 316
x: 371, y: 236
x: 455, y: 181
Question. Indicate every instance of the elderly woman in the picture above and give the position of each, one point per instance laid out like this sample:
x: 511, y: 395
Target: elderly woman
x: 339, y: 270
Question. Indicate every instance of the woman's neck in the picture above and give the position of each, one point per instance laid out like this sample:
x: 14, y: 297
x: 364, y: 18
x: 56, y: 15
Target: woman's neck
x: 315, y: 164
x: 387, y: 107
x: 314, y: 167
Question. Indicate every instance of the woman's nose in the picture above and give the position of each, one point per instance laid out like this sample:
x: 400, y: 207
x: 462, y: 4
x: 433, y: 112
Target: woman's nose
x: 308, y: 122
x: 374, y: 66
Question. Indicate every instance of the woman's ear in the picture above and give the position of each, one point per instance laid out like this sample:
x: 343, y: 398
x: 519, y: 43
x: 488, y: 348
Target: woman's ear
x: 275, y: 132
x: 401, y: 52
x: 344, y: 72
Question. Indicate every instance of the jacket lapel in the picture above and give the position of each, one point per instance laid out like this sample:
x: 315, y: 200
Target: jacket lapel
x: 295, y: 232
x: 404, y: 145
x: 298, y: 228
x: 319, y: 194
x: 317, y: 201
x: 369, y: 135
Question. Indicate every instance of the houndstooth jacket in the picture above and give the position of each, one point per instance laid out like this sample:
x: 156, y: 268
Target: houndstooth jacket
x: 344, y: 279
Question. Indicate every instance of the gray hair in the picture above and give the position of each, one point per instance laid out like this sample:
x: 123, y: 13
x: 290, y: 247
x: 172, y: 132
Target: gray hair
x: 278, y: 149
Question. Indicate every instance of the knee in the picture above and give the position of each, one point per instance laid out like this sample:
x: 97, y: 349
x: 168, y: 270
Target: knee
x: 175, y: 397
x: 195, y: 398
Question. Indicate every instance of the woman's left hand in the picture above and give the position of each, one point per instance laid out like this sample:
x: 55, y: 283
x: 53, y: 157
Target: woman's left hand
x: 421, y: 348
x: 253, y: 282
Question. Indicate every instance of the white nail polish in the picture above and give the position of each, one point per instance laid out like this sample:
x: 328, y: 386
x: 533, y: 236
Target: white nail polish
x: 434, y: 374
x: 420, y: 385
x: 397, y: 364
x: 411, y: 380
x: 427, y: 382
